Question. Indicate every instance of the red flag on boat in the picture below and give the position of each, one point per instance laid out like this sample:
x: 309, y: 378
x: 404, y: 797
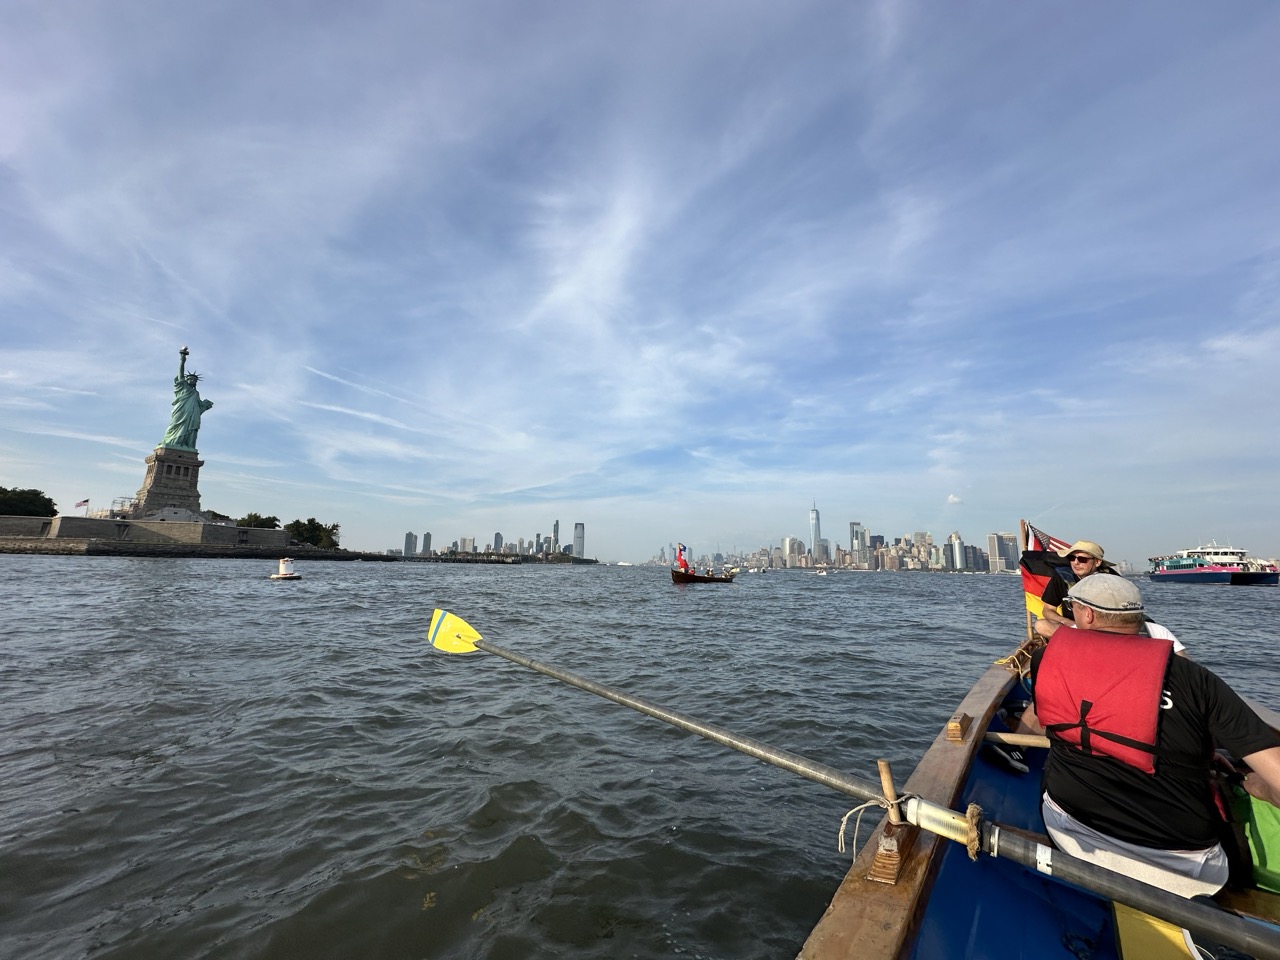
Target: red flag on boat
x: 681, y: 562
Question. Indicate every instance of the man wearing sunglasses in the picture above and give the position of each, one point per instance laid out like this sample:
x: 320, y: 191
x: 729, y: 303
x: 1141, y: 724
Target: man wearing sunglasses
x: 1085, y: 557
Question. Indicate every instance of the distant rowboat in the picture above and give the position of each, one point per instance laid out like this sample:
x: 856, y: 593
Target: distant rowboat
x: 681, y: 576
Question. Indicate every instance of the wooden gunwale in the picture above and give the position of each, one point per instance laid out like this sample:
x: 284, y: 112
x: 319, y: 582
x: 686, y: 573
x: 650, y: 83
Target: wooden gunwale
x: 874, y: 921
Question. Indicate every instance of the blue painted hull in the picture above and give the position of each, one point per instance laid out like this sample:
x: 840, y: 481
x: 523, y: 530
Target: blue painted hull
x: 997, y: 908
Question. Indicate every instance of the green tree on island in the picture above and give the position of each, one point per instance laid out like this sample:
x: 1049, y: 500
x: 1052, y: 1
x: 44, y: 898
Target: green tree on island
x: 26, y: 503
x: 314, y: 532
x: 264, y: 523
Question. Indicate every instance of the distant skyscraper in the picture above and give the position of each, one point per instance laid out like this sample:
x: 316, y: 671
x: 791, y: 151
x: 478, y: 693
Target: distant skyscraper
x: 497, y: 542
x: 426, y: 543
x: 792, y: 551
x: 410, y: 544
x: 857, y: 540
x: 815, y: 529
x: 1002, y: 552
x: 955, y: 552
x: 555, y: 537
x: 579, y: 540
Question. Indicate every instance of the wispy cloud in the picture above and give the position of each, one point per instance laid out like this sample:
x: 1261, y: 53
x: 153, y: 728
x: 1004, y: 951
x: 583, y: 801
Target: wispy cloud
x: 665, y: 274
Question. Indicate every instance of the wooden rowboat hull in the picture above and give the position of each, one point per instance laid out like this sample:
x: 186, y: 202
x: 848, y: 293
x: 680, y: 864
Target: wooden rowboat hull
x: 946, y: 906
x: 679, y: 576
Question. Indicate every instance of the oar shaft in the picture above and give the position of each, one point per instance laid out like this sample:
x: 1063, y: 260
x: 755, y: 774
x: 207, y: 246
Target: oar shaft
x: 1260, y: 941
x: 818, y: 772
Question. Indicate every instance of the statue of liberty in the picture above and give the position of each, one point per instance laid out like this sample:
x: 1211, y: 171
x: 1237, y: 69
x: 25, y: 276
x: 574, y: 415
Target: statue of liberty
x: 184, y: 418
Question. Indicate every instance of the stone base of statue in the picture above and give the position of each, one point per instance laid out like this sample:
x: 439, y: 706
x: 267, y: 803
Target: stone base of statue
x: 171, y: 489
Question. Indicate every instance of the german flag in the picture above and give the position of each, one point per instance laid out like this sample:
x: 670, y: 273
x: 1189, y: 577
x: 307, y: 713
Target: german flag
x: 1040, y: 560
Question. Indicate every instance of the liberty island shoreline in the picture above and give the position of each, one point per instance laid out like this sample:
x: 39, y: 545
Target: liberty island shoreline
x: 91, y: 547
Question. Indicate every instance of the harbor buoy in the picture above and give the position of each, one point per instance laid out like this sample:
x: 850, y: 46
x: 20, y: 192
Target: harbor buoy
x: 286, y: 571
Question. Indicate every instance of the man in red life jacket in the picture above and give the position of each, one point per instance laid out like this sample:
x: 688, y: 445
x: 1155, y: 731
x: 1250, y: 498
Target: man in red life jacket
x: 1132, y: 731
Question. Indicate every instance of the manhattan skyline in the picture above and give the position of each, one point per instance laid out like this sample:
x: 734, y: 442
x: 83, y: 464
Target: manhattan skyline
x: 674, y: 271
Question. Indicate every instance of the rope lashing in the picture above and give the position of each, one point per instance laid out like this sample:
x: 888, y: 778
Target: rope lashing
x: 974, y: 841
x: 881, y: 802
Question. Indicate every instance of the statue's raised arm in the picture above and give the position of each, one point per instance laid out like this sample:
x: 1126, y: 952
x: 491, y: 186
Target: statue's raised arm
x: 184, y: 417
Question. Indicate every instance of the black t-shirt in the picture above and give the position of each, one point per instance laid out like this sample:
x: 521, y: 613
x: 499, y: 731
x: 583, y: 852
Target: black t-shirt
x: 1172, y: 809
x: 1055, y: 593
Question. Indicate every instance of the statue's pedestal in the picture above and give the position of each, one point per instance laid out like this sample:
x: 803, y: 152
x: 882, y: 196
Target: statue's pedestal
x: 172, y: 483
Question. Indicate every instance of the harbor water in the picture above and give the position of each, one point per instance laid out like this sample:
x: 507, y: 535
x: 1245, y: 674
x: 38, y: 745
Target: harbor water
x: 199, y: 762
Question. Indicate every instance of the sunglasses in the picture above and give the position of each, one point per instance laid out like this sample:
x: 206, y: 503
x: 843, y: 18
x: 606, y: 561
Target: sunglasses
x: 1082, y: 558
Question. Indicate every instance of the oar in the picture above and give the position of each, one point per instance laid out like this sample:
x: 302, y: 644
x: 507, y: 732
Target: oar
x: 452, y: 634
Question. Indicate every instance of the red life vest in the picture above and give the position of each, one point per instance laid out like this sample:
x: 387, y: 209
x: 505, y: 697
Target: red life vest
x: 1100, y: 693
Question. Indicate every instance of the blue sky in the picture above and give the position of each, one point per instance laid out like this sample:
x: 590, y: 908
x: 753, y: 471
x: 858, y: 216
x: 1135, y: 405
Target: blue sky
x: 673, y: 270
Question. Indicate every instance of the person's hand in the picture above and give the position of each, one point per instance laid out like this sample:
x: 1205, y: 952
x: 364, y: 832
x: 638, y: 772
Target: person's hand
x: 1255, y: 787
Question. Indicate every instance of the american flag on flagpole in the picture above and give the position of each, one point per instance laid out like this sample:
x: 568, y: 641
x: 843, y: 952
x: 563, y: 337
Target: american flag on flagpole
x: 82, y: 503
x: 1037, y: 539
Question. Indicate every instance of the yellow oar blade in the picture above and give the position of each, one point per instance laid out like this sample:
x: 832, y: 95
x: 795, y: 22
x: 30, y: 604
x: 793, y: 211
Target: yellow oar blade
x: 452, y: 634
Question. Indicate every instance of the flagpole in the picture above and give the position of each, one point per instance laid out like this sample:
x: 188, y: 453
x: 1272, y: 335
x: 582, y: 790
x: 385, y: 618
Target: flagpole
x: 1023, y: 536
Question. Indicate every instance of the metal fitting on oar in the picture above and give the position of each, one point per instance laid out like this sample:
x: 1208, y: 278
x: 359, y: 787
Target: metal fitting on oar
x: 938, y: 819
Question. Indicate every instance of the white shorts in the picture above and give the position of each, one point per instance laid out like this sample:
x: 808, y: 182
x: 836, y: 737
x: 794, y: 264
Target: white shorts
x: 1184, y: 872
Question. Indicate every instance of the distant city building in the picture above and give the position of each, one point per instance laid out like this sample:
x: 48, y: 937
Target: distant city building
x: 497, y: 543
x: 579, y: 540
x: 1002, y: 552
x: 815, y: 530
x: 555, y: 537
x: 975, y: 558
x: 467, y: 545
x: 410, y: 544
x: 859, y: 543
x: 955, y: 552
x: 426, y: 544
